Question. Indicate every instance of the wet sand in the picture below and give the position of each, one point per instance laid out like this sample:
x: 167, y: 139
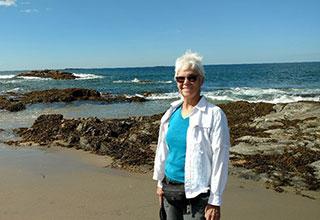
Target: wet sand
x: 68, y: 184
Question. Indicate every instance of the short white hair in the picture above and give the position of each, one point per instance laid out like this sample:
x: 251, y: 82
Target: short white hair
x: 190, y: 60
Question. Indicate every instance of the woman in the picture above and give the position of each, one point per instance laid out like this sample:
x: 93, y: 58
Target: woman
x: 191, y: 163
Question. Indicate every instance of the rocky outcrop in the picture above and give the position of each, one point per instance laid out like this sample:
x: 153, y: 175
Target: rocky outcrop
x: 11, y: 105
x: 17, y: 102
x: 281, y: 147
x: 241, y: 114
x: 54, y: 74
x: 127, y: 141
x: 279, y: 144
x: 60, y: 95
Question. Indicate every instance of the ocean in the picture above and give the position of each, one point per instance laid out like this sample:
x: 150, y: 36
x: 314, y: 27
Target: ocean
x: 272, y: 83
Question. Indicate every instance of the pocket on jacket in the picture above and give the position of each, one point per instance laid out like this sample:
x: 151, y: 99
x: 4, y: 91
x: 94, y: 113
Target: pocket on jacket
x: 202, y: 133
x: 202, y: 138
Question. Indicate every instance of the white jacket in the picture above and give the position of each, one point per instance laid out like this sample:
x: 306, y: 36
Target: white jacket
x: 207, y: 151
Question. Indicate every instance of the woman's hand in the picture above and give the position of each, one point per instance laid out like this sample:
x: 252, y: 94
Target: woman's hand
x: 159, y: 192
x: 212, y: 212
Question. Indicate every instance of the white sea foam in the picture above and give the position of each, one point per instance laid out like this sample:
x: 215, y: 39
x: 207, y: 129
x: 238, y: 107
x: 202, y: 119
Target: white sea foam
x: 117, y: 81
x: 220, y: 98
x: 246, y: 91
x: 15, y: 90
x: 264, y: 95
x: 287, y: 99
x: 7, y: 76
x: 18, y: 89
x: 12, y: 81
x: 136, y: 80
x: 165, y: 82
x: 252, y: 95
x: 84, y: 76
x: 33, y: 78
x: 139, y: 95
x: 158, y: 96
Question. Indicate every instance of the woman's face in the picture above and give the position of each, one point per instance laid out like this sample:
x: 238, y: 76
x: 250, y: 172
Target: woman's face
x: 189, y: 83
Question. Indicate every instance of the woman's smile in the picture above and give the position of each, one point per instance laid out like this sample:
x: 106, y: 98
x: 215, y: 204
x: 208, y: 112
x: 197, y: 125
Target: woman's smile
x: 188, y: 83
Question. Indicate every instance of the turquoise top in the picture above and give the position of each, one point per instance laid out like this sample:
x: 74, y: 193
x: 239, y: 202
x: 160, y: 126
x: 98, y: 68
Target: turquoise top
x: 177, y: 141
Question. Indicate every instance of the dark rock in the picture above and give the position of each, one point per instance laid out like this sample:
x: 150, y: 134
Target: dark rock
x: 15, y: 107
x: 60, y: 95
x: 11, y: 105
x: 282, y: 167
x: 136, y: 99
x: 128, y: 141
x: 54, y: 74
x: 18, y: 102
x: 44, y: 130
x: 240, y: 114
x: 279, y: 189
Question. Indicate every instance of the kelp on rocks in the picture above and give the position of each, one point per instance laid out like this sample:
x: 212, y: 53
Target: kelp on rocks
x: 278, y: 143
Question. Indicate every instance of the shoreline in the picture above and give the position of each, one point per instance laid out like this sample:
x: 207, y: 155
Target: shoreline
x: 276, y: 143
x: 76, y: 187
x: 65, y: 183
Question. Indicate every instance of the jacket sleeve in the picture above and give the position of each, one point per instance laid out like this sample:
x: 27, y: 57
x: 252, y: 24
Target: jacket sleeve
x: 220, y: 144
x: 161, y: 154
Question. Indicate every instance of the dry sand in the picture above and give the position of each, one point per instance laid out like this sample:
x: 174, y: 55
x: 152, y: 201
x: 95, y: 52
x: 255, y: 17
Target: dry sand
x: 70, y: 184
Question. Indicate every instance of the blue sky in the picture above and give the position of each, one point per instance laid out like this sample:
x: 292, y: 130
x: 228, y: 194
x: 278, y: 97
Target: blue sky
x: 37, y: 34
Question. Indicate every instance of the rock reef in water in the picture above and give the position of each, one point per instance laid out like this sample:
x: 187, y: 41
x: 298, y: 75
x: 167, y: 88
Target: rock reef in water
x: 53, y: 74
x: 17, y: 102
x: 11, y: 105
x: 279, y: 143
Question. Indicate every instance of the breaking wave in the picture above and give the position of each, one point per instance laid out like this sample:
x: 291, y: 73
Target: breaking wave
x: 136, y: 80
x: 252, y: 95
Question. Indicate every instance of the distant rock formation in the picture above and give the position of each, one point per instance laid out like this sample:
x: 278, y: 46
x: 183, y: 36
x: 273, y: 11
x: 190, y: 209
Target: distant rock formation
x: 16, y: 102
x: 54, y: 74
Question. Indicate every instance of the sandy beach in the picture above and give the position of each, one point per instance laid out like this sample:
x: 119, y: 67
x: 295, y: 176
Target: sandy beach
x: 60, y: 183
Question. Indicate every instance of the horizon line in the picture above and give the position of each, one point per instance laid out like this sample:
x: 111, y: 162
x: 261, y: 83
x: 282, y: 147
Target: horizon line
x: 123, y: 67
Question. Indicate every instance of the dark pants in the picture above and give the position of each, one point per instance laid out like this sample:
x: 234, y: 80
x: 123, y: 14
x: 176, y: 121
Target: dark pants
x: 192, y: 209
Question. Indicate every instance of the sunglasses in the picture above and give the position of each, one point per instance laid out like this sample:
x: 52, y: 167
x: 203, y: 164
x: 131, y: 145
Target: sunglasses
x: 191, y: 78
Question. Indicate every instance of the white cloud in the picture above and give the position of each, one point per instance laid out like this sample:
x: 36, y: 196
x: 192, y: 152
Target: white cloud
x: 29, y: 10
x: 7, y: 3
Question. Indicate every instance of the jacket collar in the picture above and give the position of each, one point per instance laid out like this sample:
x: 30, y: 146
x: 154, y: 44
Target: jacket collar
x: 201, y: 104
